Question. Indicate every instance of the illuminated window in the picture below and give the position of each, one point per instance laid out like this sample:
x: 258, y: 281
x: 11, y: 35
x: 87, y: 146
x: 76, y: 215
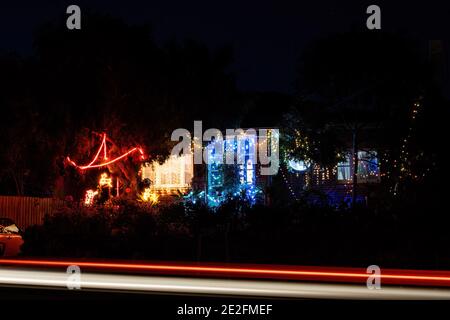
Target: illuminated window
x: 174, y: 174
x: 368, y: 167
x: 344, y: 169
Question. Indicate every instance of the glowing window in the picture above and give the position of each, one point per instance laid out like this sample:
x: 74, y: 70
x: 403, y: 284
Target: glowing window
x: 175, y: 173
x: 368, y: 167
x: 344, y: 169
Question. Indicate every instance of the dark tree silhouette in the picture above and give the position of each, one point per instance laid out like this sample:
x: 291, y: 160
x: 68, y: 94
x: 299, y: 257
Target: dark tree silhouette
x: 107, y: 77
x: 355, y: 90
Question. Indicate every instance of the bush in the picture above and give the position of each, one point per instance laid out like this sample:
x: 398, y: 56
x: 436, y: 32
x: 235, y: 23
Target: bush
x: 298, y: 233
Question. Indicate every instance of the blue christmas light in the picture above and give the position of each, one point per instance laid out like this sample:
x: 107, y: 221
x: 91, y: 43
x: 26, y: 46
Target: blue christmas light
x: 245, y: 149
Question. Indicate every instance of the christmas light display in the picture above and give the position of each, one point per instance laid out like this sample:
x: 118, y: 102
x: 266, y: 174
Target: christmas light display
x: 297, y: 161
x: 215, y: 193
x: 149, y: 196
x: 404, y: 162
x: 400, y: 165
x: 244, y: 147
x: 103, y: 146
x: 247, y: 169
x: 286, y: 181
x: 299, y: 166
x: 300, y: 146
x: 101, y: 160
x: 89, y: 197
x: 105, y: 181
x: 174, y: 175
x: 368, y: 167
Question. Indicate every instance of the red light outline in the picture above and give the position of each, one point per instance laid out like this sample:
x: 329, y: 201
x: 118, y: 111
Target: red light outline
x: 103, y: 147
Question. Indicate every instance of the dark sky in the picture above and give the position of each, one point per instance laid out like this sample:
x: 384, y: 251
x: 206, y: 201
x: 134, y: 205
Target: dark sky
x: 268, y: 37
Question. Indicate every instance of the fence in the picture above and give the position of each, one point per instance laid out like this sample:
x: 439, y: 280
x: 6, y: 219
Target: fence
x: 26, y: 211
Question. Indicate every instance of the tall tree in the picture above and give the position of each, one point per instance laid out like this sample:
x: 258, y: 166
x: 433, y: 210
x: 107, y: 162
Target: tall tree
x: 112, y: 77
x: 357, y: 89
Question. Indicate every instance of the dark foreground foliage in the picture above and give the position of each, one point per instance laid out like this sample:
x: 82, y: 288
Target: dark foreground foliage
x: 396, y: 236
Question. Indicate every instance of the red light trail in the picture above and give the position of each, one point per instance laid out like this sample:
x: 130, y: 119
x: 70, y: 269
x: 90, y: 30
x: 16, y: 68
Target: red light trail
x: 103, y: 147
x: 323, y: 274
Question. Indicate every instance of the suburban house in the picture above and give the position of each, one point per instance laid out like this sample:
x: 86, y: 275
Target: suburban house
x: 179, y: 178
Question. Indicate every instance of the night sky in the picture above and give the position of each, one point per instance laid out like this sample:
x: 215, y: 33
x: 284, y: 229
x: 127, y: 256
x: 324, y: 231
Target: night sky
x: 268, y: 37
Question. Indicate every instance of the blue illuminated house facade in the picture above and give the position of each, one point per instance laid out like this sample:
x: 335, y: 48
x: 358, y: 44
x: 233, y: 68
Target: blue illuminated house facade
x: 232, y: 169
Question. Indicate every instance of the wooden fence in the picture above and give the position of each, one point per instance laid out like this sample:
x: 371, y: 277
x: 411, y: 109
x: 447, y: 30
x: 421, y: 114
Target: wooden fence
x: 26, y: 211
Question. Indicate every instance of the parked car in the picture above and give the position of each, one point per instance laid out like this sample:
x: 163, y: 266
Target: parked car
x: 10, y: 238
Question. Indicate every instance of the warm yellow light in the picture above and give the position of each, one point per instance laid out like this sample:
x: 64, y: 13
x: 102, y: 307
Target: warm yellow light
x: 89, y: 197
x: 105, y: 180
x: 174, y: 174
x: 149, y: 196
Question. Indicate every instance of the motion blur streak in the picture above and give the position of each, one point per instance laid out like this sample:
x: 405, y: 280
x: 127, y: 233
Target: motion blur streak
x: 192, y: 286
x: 321, y: 274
